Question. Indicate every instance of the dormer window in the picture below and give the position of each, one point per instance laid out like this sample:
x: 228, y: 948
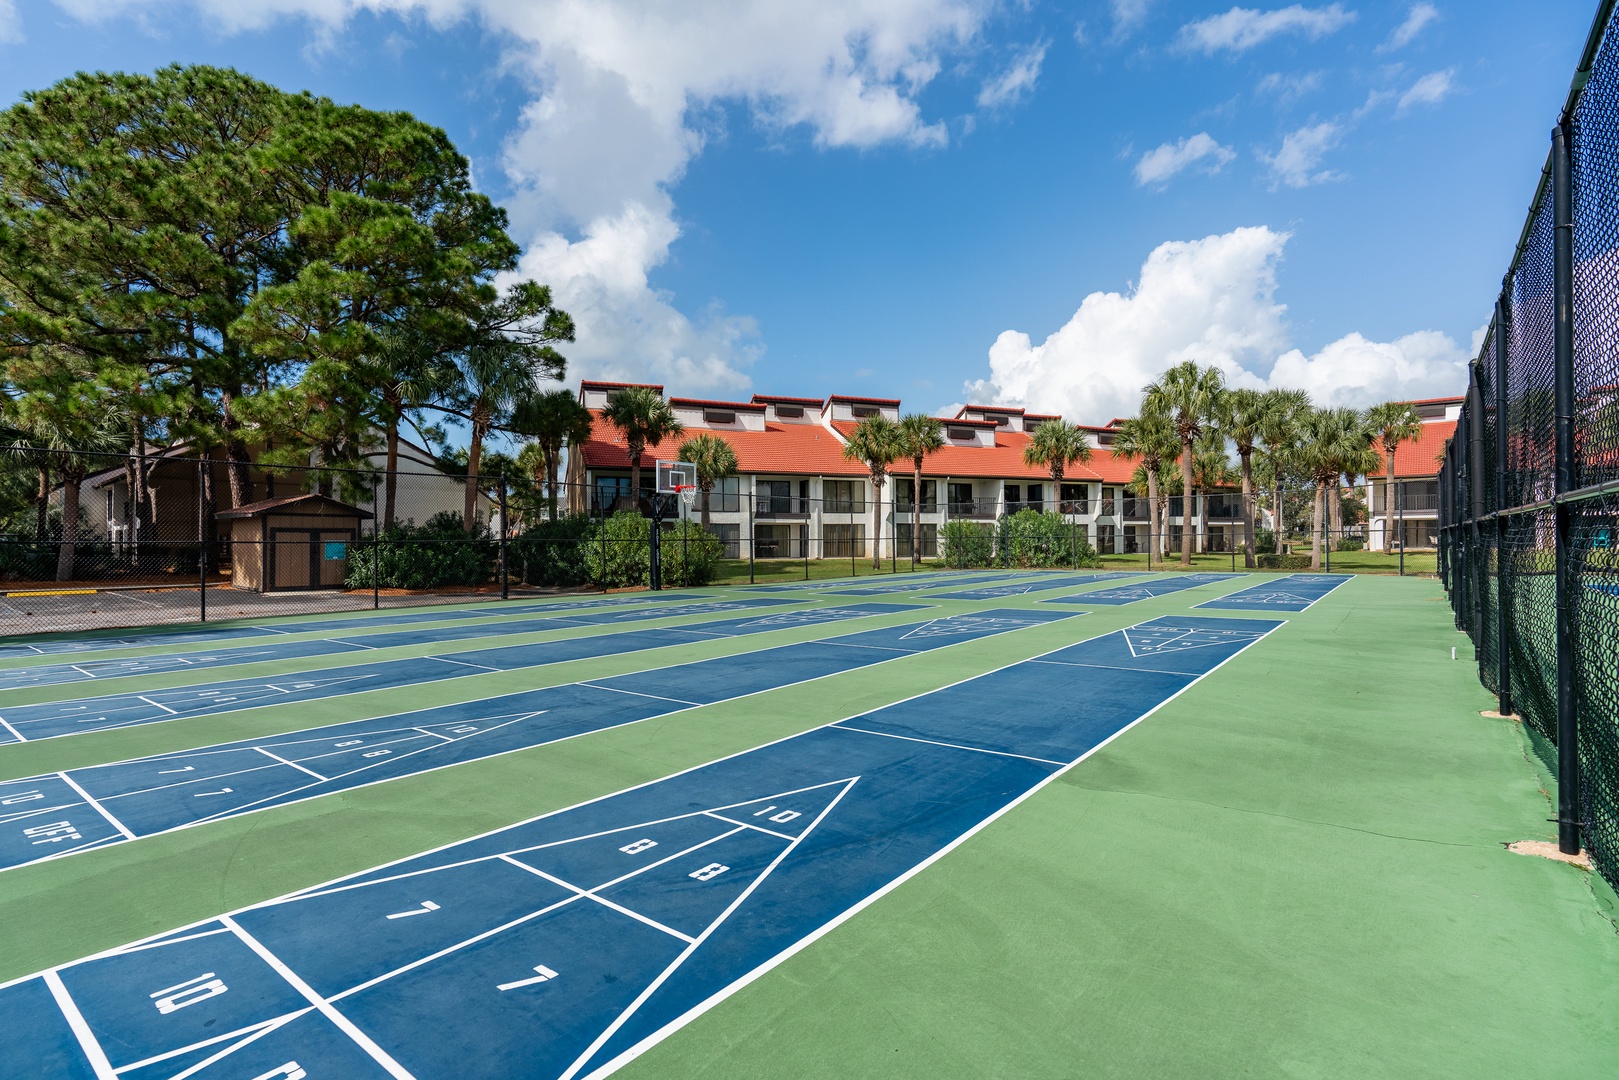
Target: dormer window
x: 961, y: 434
x: 1000, y: 421
x: 715, y: 416
x: 791, y: 412
x: 863, y: 411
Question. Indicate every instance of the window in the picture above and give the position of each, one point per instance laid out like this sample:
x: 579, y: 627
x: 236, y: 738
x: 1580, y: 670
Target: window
x: 609, y: 490
x: 961, y: 434
x: 778, y: 541
x: 791, y: 412
x: 731, y: 537
x: 715, y: 416
x: 844, y: 497
x: 1014, y: 494
x: 1000, y: 421
x: 843, y: 541
x: 902, y: 541
x: 1075, y: 499
x: 1035, y: 496
x: 904, y: 495
x: 1105, y: 540
x: 725, y: 498
x: 1030, y: 425
x: 863, y: 411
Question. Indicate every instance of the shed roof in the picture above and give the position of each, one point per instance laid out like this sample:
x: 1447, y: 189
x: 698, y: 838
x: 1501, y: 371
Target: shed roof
x: 290, y: 503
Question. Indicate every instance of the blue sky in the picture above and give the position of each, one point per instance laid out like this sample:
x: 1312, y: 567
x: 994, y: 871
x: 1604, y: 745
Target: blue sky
x: 943, y: 200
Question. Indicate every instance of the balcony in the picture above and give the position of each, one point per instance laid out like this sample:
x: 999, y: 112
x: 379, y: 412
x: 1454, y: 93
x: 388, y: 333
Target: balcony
x: 973, y: 508
x: 843, y: 506
x: 781, y: 506
x: 904, y: 505
x: 1137, y: 509
x: 1074, y: 506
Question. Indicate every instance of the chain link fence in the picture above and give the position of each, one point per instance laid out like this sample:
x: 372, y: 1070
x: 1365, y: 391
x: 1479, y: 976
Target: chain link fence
x: 1529, y: 489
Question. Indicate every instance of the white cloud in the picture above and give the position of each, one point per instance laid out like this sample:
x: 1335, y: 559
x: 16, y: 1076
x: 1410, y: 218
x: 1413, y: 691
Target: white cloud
x: 1358, y: 372
x: 1214, y: 301
x: 1418, y: 18
x: 1289, y: 87
x: 1209, y: 300
x: 1015, y: 81
x: 610, y: 129
x: 1431, y: 89
x: 1241, y: 29
x: 10, y: 23
x: 1296, y: 163
x: 1159, y: 165
x: 1129, y: 14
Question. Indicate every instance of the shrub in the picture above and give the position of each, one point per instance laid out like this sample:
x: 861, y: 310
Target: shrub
x: 617, y: 550
x: 1264, y: 541
x: 689, y: 554
x: 1349, y: 543
x: 967, y: 543
x: 1031, y: 539
x: 427, y: 556
x: 1283, y: 562
x: 551, y: 552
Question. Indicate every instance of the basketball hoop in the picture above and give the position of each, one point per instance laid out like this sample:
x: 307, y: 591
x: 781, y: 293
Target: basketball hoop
x: 688, y: 494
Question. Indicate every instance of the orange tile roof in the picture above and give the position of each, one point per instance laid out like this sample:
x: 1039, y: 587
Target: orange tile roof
x: 742, y: 406
x: 794, y: 449
x: 1420, y: 456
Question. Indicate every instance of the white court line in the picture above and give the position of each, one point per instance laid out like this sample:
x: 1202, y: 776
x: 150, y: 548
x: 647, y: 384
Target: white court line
x: 587, y: 894
x: 747, y: 825
x: 15, y: 734
x: 93, y: 1052
x: 97, y: 807
x: 636, y: 693
x: 446, y: 738
x: 284, y: 761
x: 361, y: 1039
x: 950, y: 745
x: 253, y: 1031
x: 149, y: 701
x: 1116, y: 667
x: 463, y: 663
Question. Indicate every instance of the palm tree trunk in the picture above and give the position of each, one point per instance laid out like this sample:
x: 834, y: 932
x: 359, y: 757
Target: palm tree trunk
x: 551, y: 481
x: 1388, y: 508
x: 1202, y: 524
x: 876, y: 521
x: 1248, y: 511
x: 916, y: 510
x: 703, y: 513
x: 1335, y: 509
x: 390, y: 476
x: 635, y: 480
x: 70, y: 523
x: 469, y: 504
x: 1154, y: 535
x: 1276, y: 504
x: 1186, y: 503
x: 42, y: 503
x: 1315, y: 530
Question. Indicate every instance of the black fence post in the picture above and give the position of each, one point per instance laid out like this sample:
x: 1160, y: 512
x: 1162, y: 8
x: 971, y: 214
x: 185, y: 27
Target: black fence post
x: 1399, y: 487
x: 376, y: 544
x: 1475, y: 497
x: 504, y: 595
x: 1503, y: 593
x: 202, y: 545
x: 1568, y: 752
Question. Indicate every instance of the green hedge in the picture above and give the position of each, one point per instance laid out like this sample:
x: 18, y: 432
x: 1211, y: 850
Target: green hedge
x: 967, y: 543
x: 1283, y: 562
x: 429, y: 556
x: 1036, y: 540
x: 551, y: 553
x: 617, y: 552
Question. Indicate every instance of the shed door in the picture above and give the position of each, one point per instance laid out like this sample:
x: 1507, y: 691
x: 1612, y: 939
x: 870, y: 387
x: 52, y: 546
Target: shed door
x: 293, y: 554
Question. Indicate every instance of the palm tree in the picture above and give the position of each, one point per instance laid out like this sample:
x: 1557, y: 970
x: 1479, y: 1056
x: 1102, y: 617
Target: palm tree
x: 1330, y: 439
x: 1284, y: 412
x: 1055, y: 445
x: 1150, y: 440
x: 553, y: 420
x: 919, y: 436
x: 1189, y: 396
x: 1210, y: 469
x: 715, y: 460
x: 1393, y: 423
x: 876, y: 443
x: 1243, y: 424
x: 644, y: 419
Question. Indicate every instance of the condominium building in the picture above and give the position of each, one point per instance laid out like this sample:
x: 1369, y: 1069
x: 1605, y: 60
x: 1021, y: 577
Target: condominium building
x: 1416, y: 473
x: 795, y: 495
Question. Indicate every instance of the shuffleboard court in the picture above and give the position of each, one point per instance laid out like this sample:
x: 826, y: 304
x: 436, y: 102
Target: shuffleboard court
x: 55, y: 674
x: 1292, y: 593
x: 919, y: 580
x: 57, y: 719
x: 562, y: 946
x: 1021, y: 588
x: 1146, y: 590
x: 203, y: 636
x: 922, y: 586
x: 65, y: 813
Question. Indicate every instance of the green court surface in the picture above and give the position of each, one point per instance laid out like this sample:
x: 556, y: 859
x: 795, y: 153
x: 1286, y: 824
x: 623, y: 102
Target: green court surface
x: 1294, y: 869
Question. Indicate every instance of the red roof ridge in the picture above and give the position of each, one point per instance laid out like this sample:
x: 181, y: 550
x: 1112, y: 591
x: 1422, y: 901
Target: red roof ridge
x: 1009, y: 409
x: 867, y: 400
x: 748, y: 405
x: 772, y: 398
x: 620, y: 385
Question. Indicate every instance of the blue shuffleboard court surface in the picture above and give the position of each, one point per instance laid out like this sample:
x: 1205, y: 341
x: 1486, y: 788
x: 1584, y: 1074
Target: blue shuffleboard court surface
x: 30, y: 723
x: 920, y: 586
x: 54, y: 674
x: 1022, y: 588
x: 909, y: 581
x: 1146, y: 590
x: 60, y: 814
x: 202, y: 637
x: 1292, y: 593
x: 562, y: 946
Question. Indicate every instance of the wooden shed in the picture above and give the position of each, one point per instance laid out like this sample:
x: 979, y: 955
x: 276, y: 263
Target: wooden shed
x: 296, y: 542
